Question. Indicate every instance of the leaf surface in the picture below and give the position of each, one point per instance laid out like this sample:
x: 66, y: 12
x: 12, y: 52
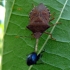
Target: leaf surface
x: 16, y: 49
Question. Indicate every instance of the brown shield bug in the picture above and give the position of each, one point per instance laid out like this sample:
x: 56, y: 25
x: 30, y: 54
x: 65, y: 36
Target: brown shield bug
x: 39, y: 19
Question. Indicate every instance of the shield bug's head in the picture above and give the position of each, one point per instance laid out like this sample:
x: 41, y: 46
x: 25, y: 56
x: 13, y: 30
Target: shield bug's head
x: 32, y: 58
x: 39, y: 19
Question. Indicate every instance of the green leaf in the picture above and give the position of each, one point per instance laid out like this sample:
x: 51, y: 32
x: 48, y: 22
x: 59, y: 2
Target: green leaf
x: 1, y: 2
x: 16, y: 49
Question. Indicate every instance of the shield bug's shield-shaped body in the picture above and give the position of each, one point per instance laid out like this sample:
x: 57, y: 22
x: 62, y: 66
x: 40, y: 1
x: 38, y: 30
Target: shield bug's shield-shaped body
x: 39, y: 19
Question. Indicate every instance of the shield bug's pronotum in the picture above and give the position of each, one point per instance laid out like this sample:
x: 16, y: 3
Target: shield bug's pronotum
x: 39, y: 19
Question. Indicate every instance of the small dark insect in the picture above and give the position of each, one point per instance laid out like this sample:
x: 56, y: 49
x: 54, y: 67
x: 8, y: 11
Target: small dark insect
x: 39, y: 19
x: 33, y: 58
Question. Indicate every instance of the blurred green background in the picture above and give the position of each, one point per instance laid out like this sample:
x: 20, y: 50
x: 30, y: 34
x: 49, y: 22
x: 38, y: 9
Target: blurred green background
x: 1, y: 41
x: 2, y: 14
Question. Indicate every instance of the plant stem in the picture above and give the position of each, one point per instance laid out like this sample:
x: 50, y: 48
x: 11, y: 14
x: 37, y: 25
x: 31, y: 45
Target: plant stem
x: 36, y: 47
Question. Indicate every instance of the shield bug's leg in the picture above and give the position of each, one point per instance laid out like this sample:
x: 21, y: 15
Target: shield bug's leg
x: 52, y: 17
x: 50, y: 35
x: 19, y: 36
x: 58, y: 23
x: 33, y: 5
x: 32, y: 36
